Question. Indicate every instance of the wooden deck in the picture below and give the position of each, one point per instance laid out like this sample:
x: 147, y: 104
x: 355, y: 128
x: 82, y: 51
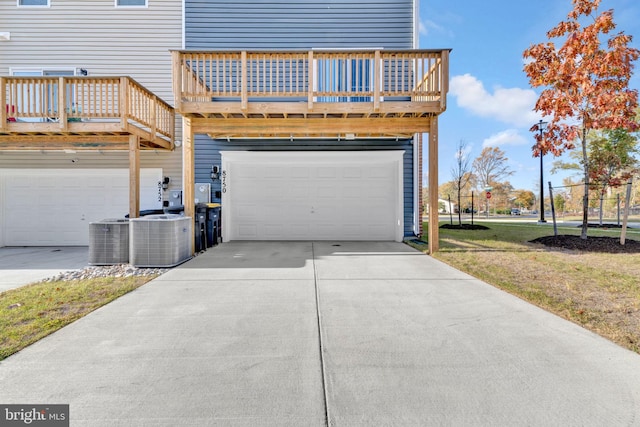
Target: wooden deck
x: 311, y: 94
x: 82, y: 113
x: 342, y: 94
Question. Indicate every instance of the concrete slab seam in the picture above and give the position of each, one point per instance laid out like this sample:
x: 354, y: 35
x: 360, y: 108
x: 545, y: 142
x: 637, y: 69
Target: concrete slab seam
x: 320, y: 340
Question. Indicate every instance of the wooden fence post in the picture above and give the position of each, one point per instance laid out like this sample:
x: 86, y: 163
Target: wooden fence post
x: 627, y: 202
x: 553, y: 210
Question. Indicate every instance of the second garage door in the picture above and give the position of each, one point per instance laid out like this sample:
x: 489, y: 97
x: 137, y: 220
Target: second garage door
x: 53, y: 207
x: 349, y: 195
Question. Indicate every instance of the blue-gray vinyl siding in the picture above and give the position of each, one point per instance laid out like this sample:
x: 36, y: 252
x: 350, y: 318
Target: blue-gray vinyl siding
x: 207, y: 154
x: 298, y: 24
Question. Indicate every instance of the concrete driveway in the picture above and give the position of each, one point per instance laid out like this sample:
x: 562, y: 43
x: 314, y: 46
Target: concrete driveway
x: 20, y: 266
x: 323, y: 333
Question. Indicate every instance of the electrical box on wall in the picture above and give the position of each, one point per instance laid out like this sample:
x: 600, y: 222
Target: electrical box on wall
x: 202, y: 193
x: 175, y: 198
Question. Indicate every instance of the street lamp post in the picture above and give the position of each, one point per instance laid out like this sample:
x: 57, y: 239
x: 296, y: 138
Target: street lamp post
x: 541, y: 220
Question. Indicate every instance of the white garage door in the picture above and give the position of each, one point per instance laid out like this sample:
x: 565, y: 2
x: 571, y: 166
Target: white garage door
x: 52, y: 207
x: 312, y: 195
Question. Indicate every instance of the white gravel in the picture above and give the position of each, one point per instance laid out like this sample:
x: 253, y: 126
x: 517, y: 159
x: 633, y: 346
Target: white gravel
x: 118, y: 270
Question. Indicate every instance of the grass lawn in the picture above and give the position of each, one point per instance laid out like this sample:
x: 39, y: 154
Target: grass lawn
x: 599, y: 291
x: 32, y: 312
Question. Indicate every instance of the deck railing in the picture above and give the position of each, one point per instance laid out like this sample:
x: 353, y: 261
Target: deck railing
x: 373, y: 76
x: 84, y: 99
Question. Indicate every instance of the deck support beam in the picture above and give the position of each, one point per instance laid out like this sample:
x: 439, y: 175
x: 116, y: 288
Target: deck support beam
x: 134, y: 176
x: 189, y: 178
x: 433, y: 232
x: 404, y: 127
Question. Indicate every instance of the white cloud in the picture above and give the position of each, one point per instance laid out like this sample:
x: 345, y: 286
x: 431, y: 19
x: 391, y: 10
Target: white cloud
x: 426, y: 26
x: 509, y: 105
x: 422, y: 28
x: 507, y: 137
x: 429, y: 27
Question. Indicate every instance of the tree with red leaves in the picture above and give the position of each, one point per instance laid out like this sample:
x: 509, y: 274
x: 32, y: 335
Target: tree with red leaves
x: 585, y: 83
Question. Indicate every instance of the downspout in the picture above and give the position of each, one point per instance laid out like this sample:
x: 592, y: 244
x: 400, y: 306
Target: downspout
x: 184, y: 25
x: 417, y: 152
x: 416, y: 24
x: 417, y: 140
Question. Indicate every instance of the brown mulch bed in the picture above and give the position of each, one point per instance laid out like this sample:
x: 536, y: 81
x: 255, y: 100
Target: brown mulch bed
x: 591, y: 244
x: 464, y: 227
x: 603, y: 226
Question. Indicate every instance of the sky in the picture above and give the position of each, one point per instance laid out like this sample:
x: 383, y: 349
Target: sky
x: 490, y: 101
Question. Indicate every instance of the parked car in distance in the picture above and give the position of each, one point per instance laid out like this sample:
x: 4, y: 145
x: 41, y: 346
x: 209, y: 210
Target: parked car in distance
x: 515, y: 211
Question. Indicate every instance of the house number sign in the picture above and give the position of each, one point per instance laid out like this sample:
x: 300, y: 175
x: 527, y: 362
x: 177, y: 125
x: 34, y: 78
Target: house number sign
x: 224, y: 181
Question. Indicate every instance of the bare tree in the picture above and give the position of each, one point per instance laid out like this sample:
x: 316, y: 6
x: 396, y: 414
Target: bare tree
x: 460, y: 173
x: 491, y: 167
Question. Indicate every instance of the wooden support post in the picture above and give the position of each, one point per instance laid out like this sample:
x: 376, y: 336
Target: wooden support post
x: 188, y: 179
x: 176, y: 70
x: 377, y: 82
x: 5, y: 108
x: 444, y: 80
x: 62, y: 101
x: 420, y: 208
x: 124, y: 102
x: 134, y: 176
x: 244, y: 97
x: 433, y: 232
x: 311, y: 72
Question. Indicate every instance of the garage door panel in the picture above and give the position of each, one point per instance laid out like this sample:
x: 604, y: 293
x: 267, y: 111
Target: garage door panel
x: 313, y: 196
x: 268, y: 172
x: 299, y: 172
x: 51, y: 207
x: 354, y: 173
x: 326, y: 172
x: 273, y: 231
x: 247, y: 231
x: 299, y: 191
x: 247, y: 212
x: 300, y: 231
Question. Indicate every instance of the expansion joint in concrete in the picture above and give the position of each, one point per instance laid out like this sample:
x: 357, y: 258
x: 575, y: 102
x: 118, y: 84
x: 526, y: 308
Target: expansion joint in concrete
x: 320, y: 337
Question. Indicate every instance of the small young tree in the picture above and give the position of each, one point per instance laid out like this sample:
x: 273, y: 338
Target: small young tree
x: 586, y: 83
x: 611, y: 161
x: 558, y: 201
x: 461, y: 175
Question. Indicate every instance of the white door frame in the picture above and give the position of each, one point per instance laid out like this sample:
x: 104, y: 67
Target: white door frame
x: 312, y: 157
